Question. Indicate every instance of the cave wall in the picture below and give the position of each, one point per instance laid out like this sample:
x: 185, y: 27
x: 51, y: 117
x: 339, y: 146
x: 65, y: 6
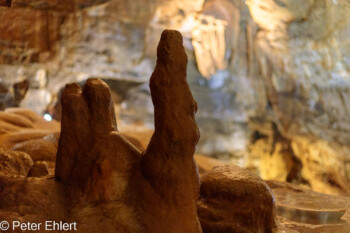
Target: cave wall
x: 273, y: 99
x: 303, y: 53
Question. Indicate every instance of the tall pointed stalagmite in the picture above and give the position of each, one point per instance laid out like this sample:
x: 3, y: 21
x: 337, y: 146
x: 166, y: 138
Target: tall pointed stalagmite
x: 159, y: 187
x: 168, y: 165
x: 104, y: 184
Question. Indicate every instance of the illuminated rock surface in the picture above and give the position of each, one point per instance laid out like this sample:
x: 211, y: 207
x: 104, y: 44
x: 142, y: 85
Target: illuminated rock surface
x: 89, y: 191
x: 303, y: 211
x: 104, y: 183
x: 14, y: 163
x: 278, y: 63
x: 302, y: 49
x: 228, y: 194
x: 105, y: 166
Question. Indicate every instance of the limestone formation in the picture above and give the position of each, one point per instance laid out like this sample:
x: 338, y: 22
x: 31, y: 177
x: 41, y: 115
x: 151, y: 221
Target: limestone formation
x: 38, y: 149
x: 39, y: 169
x: 291, y: 64
x: 167, y: 163
x: 24, y: 131
x: 105, y: 184
x: 302, y: 53
x: 235, y: 200
x: 104, y: 166
x: 18, y: 125
x: 14, y: 163
x: 213, y: 31
x: 302, y: 210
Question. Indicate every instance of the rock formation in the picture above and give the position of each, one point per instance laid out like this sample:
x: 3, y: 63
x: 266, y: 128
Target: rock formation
x: 302, y: 210
x: 302, y: 53
x: 14, y: 163
x: 105, y: 166
x: 167, y: 165
x: 23, y: 131
x: 104, y: 183
x: 287, y: 64
x: 228, y: 194
x: 19, y: 125
x: 39, y: 169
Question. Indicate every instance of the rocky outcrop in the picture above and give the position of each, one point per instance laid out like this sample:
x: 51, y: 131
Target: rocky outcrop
x: 235, y: 200
x: 286, y: 63
x: 14, y: 163
x: 39, y: 169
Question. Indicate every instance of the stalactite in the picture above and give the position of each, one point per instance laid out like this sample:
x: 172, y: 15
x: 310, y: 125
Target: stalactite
x: 208, y: 40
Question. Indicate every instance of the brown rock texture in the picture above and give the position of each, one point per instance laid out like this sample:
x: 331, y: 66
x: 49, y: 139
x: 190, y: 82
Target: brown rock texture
x: 88, y: 119
x: 30, y: 30
x: 6, y: 3
x: 25, y: 131
x: 299, y: 49
x: 105, y: 166
x: 32, y: 200
x: 56, y: 5
x: 38, y: 149
x: 105, y: 184
x: 39, y: 169
x: 302, y: 210
x: 167, y: 163
x: 31, y: 38
x: 14, y: 163
x: 235, y: 200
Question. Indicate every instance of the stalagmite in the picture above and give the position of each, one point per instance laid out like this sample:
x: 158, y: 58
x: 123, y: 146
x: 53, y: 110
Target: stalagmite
x: 103, y: 183
x: 103, y: 165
